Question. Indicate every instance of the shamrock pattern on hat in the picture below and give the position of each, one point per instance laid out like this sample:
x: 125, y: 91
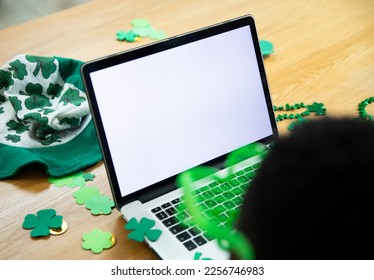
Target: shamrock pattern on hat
x: 38, y: 107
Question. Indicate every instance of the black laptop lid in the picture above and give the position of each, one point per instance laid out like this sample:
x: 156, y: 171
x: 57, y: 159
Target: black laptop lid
x: 185, y: 101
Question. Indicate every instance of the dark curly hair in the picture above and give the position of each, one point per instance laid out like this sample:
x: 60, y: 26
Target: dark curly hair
x: 313, y: 196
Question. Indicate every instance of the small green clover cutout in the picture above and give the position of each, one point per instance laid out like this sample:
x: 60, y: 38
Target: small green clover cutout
x: 198, y: 255
x: 140, y: 22
x: 317, y: 108
x: 97, y: 240
x: 100, y: 204
x: 84, y: 194
x: 71, y: 181
x: 42, y: 222
x: 142, y: 229
x: 129, y: 36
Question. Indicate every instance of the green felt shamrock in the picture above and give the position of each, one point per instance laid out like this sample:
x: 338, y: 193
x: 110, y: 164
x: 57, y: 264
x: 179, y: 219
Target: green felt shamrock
x: 89, y: 176
x: 317, y: 108
x: 100, y: 204
x: 140, y: 22
x: 142, y: 229
x: 142, y: 31
x: 156, y: 34
x: 198, y: 255
x: 266, y: 47
x: 71, y: 181
x: 84, y: 194
x: 42, y: 222
x: 129, y: 36
x: 141, y: 28
x: 97, y: 240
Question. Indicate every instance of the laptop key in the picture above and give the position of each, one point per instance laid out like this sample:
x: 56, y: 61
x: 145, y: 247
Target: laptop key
x: 166, y: 205
x: 169, y: 222
x: 161, y: 215
x: 214, y: 184
x: 194, y: 231
x: 240, y: 172
x: 208, y: 194
x: 177, y: 228
x: 199, y: 240
x: 237, y: 191
x: 257, y: 165
x: 225, y: 186
x: 217, y: 190
x: 210, y: 203
x: 208, y: 237
x: 248, y: 169
x: 229, y: 204
x: 170, y: 211
x: 234, y: 182
x: 190, y: 245
x: 251, y: 175
x: 238, y: 200
x: 183, y: 236
x: 175, y: 201
x: 228, y: 195
x: 243, y: 179
x: 155, y: 210
x: 219, y: 199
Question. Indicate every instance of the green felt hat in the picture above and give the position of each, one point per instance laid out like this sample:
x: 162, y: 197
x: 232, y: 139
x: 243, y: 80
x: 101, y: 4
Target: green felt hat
x: 45, y: 117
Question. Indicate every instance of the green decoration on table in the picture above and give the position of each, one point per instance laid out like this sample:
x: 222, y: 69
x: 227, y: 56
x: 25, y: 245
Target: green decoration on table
x: 198, y: 255
x: 97, y: 240
x: 141, y: 28
x: 100, y: 204
x: 42, y: 222
x: 142, y: 229
x: 129, y: 36
x: 266, y: 47
x: 84, y: 194
x: 140, y: 23
x: 142, y: 31
x: 317, y: 108
x: 71, y: 181
x: 156, y: 34
x: 362, y: 109
x: 89, y: 176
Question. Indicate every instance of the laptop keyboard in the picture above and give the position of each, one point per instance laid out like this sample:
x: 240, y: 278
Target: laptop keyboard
x: 220, y: 201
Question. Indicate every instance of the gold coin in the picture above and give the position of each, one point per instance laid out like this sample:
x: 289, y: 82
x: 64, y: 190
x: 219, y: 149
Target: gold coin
x: 113, y: 240
x: 61, y: 230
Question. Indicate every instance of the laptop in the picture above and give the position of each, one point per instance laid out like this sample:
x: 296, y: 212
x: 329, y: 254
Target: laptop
x: 174, y: 104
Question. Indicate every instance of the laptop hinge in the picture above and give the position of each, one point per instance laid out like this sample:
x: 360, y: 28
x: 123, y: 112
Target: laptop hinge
x: 157, y: 192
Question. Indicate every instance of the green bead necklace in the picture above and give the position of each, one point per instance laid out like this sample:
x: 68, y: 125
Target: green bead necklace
x: 316, y: 108
x: 362, y: 109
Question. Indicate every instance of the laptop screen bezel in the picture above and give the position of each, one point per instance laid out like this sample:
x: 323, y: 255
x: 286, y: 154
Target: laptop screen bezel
x: 149, y: 49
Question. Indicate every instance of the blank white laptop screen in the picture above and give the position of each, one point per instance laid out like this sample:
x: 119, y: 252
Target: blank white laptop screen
x: 170, y: 111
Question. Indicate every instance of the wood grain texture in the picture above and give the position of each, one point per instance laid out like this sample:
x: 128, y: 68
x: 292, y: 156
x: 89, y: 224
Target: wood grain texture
x: 324, y: 52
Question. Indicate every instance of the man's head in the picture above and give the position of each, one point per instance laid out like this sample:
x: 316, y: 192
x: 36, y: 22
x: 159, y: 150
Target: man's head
x: 313, y: 197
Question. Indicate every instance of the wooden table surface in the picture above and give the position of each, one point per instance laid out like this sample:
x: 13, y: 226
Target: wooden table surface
x: 323, y: 52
